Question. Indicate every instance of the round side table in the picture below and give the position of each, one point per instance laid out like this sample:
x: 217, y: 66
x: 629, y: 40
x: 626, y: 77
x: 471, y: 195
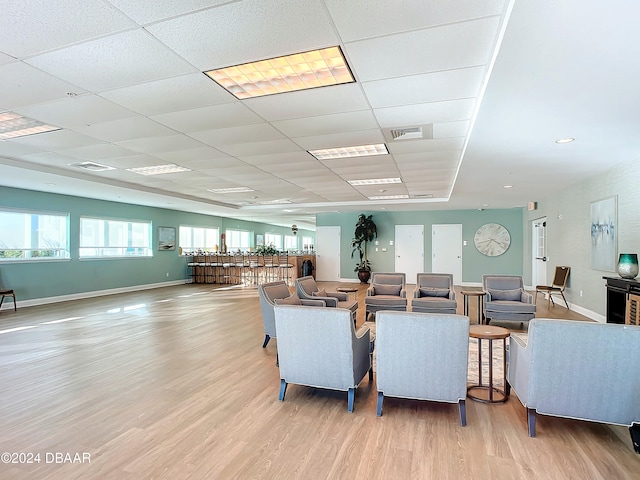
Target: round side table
x: 479, y: 294
x: 348, y: 290
x: 488, y: 393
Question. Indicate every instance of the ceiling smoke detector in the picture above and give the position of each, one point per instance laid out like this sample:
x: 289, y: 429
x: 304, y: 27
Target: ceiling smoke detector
x: 92, y: 166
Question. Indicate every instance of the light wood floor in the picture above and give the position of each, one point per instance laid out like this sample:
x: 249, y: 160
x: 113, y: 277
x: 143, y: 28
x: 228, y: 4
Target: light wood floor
x: 173, y: 383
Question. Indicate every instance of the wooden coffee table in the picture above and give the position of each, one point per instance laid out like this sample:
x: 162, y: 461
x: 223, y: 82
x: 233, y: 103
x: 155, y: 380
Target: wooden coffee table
x: 349, y: 290
x: 489, y: 393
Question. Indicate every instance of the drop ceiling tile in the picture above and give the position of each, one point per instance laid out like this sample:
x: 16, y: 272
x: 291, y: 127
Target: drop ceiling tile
x: 408, y: 115
x: 10, y: 149
x: 191, y: 155
x: 208, y: 118
x: 364, y: 163
x: 425, y: 88
x: 236, y: 135
x: 335, y: 140
x: 147, y: 11
x: 266, y: 147
x: 24, y: 85
x: 126, y: 129
x: 327, y: 124
x: 4, y: 58
x: 134, y: 161
x: 60, y: 139
x: 308, y: 103
x: 183, y: 92
x: 426, y: 147
x: 239, y: 32
x: 27, y: 28
x: 168, y: 143
x: 110, y: 59
x: 453, y: 46
x: 358, y: 19
x: 451, y: 129
x: 73, y: 112
x: 293, y: 158
x: 97, y: 152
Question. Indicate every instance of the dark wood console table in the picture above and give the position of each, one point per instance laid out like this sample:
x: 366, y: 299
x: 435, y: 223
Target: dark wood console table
x: 618, y: 291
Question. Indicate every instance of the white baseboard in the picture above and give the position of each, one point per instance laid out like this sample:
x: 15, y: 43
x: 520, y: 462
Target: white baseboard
x: 96, y: 293
x: 588, y: 313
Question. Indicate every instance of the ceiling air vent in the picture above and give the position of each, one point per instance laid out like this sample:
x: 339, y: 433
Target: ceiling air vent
x: 94, y: 167
x: 406, y: 133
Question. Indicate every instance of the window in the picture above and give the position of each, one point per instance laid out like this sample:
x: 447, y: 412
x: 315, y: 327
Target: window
x: 33, y: 235
x: 290, y: 242
x: 101, y: 237
x: 198, y: 238
x: 237, y: 239
x: 307, y: 243
x: 273, y: 239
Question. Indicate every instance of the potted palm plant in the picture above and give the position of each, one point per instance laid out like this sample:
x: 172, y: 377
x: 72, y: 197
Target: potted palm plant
x: 366, y: 230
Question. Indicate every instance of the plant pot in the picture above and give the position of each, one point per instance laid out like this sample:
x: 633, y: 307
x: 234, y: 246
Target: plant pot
x: 364, y: 276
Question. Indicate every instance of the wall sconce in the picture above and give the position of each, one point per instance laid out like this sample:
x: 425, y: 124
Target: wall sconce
x: 294, y: 229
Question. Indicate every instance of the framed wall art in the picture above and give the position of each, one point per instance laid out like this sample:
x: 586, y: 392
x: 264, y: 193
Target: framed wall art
x: 604, y: 234
x: 166, y: 238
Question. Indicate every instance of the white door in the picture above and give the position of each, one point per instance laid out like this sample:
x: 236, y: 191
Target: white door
x: 446, y: 250
x: 327, y: 254
x: 539, y: 252
x: 409, y: 248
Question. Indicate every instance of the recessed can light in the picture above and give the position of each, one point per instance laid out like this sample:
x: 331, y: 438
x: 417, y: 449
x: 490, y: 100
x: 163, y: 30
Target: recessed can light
x: 508, y: 186
x: 565, y: 140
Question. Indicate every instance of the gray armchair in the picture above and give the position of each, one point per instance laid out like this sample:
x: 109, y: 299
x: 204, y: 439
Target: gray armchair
x: 506, y: 299
x: 576, y: 369
x: 319, y: 347
x: 308, y: 289
x: 434, y: 293
x: 387, y: 292
x: 269, y: 294
x: 422, y: 356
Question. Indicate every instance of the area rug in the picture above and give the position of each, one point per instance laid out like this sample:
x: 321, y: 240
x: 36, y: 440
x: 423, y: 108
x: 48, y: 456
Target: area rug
x: 472, y: 375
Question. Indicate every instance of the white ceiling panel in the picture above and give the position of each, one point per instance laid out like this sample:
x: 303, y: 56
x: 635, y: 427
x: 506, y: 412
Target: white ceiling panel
x: 290, y: 158
x: 208, y: 118
x: 73, y: 112
x: 183, y: 92
x: 242, y: 150
x: 245, y: 31
x: 422, y: 113
x: 27, y: 28
x: 346, y: 139
x: 451, y: 129
x: 444, y: 48
x: 191, y: 155
x: 105, y: 63
x: 358, y: 19
x: 235, y: 135
x: 425, y: 88
x: 10, y: 149
x: 24, y: 85
x: 50, y: 159
x: 161, y: 144
x: 327, y: 124
x: 426, y: 147
x: 98, y: 152
x: 147, y: 11
x: 134, y: 161
x: 126, y: 129
x: 308, y: 103
x: 58, y: 140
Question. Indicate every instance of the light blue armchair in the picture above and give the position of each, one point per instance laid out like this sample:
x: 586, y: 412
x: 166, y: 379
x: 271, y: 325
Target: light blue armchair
x: 434, y: 293
x: 422, y: 356
x: 387, y: 292
x: 576, y: 369
x: 319, y: 347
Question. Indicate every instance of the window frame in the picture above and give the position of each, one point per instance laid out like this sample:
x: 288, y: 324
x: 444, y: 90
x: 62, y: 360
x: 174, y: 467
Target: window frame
x: 34, y: 237
x: 129, y: 222
x: 196, y: 248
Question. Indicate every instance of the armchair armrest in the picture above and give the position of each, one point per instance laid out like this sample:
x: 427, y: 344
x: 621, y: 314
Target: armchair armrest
x: 361, y: 357
x: 370, y: 291
x: 416, y: 292
x: 342, y: 297
x: 519, y: 368
x: 403, y: 292
x: 313, y: 303
x: 526, y: 297
x: 328, y: 301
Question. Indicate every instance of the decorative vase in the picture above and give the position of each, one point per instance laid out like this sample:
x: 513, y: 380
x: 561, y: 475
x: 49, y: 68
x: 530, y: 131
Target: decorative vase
x: 628, y: 265
x: 364, y: 276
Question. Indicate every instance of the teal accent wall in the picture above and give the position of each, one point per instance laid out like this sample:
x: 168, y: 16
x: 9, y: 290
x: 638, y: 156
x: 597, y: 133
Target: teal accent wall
x: 474, y: 264
x: 42, y: 279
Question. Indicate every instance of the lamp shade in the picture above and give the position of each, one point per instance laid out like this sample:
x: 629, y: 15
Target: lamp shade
x: 628, y: 265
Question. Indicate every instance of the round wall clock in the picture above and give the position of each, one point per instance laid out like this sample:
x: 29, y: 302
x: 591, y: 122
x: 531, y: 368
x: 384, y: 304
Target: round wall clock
x: 492, y: 239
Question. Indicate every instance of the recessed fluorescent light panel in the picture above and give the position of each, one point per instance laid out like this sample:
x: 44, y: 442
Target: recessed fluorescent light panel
x: 275, y: 202
x: 374, y: 181
x: 13, y: 125
x: 345, y: 152
x: 300, y: 71
x: 159, y: 169
x: 231, y: 190
x: 388, y: 197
